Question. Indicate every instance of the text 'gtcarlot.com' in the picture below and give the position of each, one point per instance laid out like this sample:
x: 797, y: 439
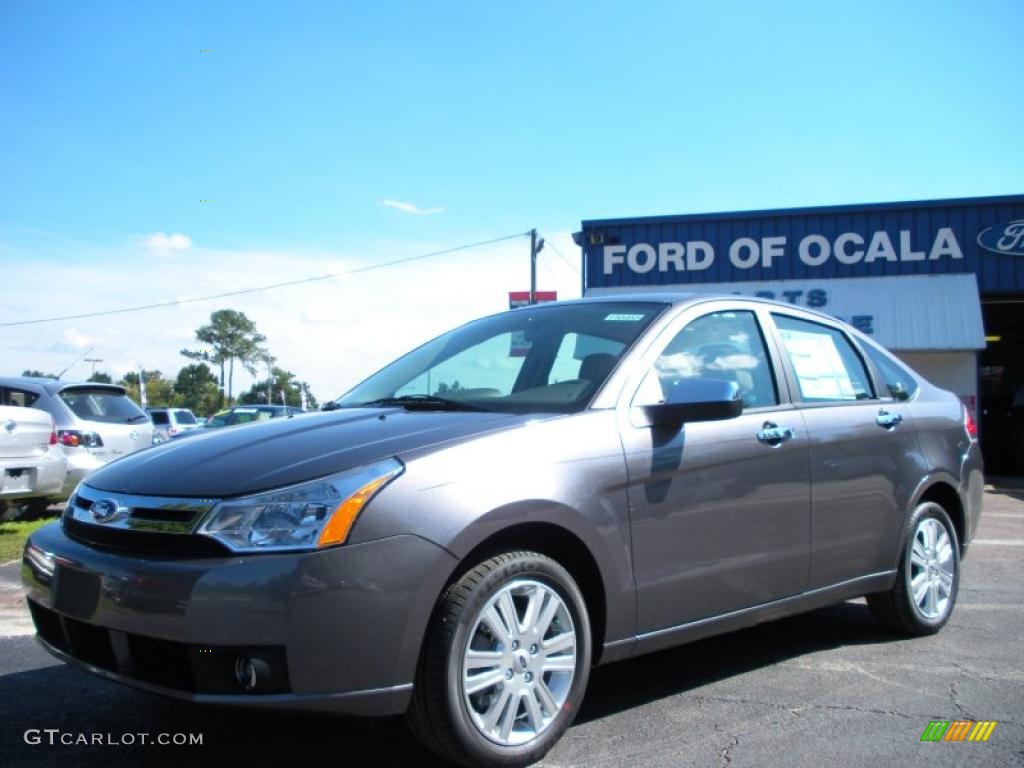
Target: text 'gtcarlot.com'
x: 54, y: 736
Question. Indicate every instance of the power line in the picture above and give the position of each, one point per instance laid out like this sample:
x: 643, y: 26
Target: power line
x: 228, y: 294
x: 558, y: 253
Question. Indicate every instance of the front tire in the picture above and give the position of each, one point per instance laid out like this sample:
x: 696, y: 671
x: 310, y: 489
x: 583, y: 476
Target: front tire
x: 505, y: 663
x: 922, y: 599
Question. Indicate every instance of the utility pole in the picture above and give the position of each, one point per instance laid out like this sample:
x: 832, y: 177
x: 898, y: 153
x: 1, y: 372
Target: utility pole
x: 536, y: 246
x: 93, y: 360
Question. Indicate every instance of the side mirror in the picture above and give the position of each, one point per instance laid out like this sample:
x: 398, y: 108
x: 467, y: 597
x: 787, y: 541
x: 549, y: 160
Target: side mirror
x: 696, y: 399
x: 330, y: 405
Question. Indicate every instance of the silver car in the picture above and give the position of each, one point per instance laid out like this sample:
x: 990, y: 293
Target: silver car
x: 32, y: 465
x: 95, y: 422
x: 464, y: 534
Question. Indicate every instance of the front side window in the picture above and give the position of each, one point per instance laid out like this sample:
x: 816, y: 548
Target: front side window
x: 550, y: 358
x: 826, y: 365
x: 722, y: 345
x: 20, y: 397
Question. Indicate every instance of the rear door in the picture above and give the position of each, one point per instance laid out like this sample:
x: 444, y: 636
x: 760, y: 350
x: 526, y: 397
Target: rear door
x: 720, y: 510
x: 862, y: 449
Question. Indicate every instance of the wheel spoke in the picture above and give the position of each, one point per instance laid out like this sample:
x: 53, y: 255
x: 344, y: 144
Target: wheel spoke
x: 496, y: 624
x: 533, y: 607
x: 533, y: 713
x: 547, y: 701
x: 483, y: 681
x: 497, y: 706
x: 507, y: 611
x: 547, y: 615
x: 946, y: 583
x: 562, y: 642
x: 933, y: 599
x: 565, y: 663
x: 919, y: 586
x: 918, y: 555
x: 482, y: 659
x: 508, y: 719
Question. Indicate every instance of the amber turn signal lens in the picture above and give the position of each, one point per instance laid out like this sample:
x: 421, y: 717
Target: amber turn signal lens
x: 337, y: 528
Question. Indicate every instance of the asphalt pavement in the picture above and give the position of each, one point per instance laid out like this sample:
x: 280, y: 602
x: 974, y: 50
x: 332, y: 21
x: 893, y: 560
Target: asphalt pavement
x: 825, y: 688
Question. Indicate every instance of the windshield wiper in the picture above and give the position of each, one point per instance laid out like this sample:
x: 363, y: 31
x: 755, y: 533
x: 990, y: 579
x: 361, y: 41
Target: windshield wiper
x: 422, y: 402
x: 131, y: 419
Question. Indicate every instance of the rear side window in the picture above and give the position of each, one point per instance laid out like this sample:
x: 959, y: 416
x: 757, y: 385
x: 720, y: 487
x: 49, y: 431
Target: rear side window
x: 826, y: 364
x: 104, y: 405
x: 899, y: 382
x: 19, y: 397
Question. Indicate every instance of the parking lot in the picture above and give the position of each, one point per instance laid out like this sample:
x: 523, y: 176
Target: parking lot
x: 825, y: 688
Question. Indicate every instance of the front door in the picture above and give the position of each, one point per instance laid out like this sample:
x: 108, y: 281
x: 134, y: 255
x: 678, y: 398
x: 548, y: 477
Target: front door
x: 720, y: 510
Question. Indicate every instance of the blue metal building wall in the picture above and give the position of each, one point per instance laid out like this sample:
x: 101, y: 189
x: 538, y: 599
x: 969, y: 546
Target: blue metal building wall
x: 967, y: 217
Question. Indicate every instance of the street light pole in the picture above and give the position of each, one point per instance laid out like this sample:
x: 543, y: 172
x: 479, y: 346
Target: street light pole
x: 533, y: 266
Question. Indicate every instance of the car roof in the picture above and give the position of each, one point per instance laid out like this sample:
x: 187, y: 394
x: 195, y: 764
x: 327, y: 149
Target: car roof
x: 53, y: 386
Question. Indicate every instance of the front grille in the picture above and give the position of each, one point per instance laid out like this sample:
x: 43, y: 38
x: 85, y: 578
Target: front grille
x: 184, y: 667
x: 145, y: 542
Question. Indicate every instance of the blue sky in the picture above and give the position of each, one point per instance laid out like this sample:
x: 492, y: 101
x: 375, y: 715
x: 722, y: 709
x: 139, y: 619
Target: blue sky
x: 303, y: 117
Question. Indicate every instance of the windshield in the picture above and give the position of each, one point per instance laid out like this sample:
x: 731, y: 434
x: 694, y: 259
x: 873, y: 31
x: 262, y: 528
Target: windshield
x: 184, y: 417
x: 107, y: 405
x: 542, y: 358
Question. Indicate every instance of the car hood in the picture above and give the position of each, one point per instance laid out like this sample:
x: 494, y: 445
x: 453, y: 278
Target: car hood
x: 248, y: 458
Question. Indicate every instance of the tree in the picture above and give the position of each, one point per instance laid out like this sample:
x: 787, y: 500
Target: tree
x: 280, y: 381
x: 100, y: 377
x: 34, y: 374
x: 196, y: 388
x: 231, y: 336
x: 159, y: 391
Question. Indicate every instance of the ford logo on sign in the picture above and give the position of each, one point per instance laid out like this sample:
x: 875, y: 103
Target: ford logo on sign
x: 1004, y: 238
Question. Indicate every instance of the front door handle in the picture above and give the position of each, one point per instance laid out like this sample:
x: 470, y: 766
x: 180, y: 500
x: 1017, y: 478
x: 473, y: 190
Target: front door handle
x: 888, y: 420
x: 772, y: 434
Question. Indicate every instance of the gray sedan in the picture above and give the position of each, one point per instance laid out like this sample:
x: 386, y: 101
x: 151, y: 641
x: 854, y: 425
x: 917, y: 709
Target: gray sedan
x: 472, y: 528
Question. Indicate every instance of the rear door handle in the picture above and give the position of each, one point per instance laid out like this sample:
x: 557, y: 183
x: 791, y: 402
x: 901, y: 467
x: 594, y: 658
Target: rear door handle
x: 888, y: 420
x: 773, y: 434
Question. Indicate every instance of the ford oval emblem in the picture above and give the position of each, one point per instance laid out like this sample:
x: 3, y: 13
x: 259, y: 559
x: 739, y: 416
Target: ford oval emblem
x: 1004, y: 238
x: 104, y: 511
x: 10, y: 426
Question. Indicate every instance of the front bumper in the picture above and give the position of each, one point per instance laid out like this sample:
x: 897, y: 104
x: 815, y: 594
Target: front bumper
x: 340, y: 629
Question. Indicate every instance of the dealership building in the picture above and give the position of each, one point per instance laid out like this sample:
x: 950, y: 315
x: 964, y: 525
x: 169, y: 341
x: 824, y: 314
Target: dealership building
x: 939, y: 282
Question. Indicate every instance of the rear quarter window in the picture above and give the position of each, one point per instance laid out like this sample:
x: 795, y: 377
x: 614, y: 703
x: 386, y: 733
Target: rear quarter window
x: 899, y: 383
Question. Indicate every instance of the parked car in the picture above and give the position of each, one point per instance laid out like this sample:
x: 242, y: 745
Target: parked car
x: 95, y: 422
x: 171, y: 422
x: 32, y: 465
x: 474, y: 526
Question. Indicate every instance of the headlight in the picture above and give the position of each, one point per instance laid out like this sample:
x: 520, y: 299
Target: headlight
x: 316, y: 514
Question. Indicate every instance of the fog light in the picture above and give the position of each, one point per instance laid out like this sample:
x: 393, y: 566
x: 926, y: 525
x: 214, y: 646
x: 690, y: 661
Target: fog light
x: 251, y: 673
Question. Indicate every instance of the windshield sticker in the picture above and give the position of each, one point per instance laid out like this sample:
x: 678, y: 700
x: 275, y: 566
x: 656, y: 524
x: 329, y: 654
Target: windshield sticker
x: 622, y: 318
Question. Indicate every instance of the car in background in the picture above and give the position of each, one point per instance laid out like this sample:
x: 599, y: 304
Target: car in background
x: 95, y: 423
x: 170, y: 422
x: 32, y: 465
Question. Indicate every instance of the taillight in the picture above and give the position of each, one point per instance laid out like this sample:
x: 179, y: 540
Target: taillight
x: 969, y: 424
x: 53, y: 432
x: 74, y: 439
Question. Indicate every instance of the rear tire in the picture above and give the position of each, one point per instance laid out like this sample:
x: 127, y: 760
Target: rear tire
x: 504, y: 665
x: 922, y: 599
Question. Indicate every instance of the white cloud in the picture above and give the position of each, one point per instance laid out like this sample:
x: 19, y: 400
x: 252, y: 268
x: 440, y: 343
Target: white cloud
x: 163, y: 244
x: 398, y: 205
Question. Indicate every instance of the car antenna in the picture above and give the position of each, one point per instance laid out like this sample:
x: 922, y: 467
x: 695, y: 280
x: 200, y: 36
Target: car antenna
x: 90, y: 349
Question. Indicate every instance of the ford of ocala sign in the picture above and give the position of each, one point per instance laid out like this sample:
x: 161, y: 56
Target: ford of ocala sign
x: 813, y: 250
x: 1004, y: 238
